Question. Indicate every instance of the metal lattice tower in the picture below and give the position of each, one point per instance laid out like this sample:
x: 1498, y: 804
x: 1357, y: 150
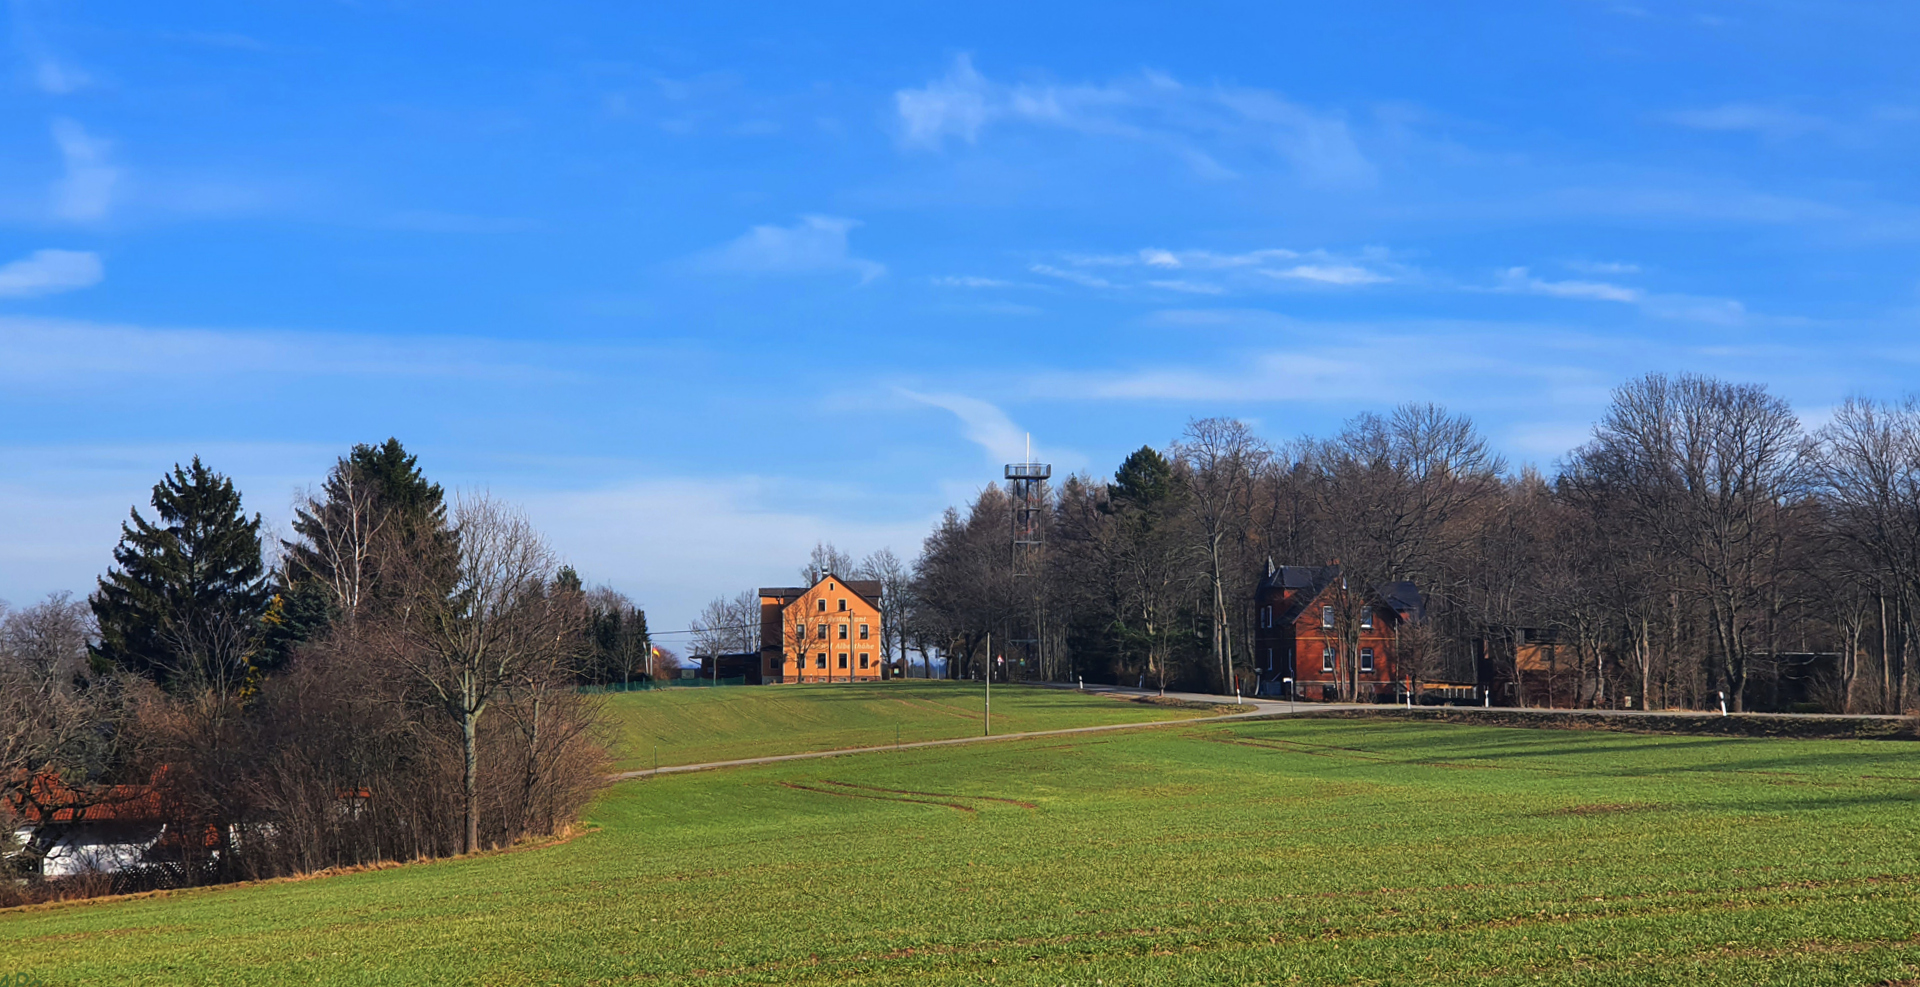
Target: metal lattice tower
x: 1027, y: 492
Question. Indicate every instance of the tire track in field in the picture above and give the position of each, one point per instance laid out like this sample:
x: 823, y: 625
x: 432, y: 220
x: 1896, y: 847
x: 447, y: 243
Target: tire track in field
x: 944, y: 795
x: 798, y: 786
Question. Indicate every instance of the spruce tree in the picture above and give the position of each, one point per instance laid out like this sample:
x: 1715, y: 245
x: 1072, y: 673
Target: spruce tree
x: 1144, y: 482
x: 376, y: 514
x: 185, y: 596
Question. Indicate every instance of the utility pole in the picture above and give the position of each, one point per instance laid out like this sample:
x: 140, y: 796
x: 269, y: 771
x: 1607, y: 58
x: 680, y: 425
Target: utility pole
x: 986, y: 718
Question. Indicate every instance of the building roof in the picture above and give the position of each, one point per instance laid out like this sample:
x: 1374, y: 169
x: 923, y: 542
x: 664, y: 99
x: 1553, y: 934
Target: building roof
x: 48, y: 799
x: 867, y: 589
x: 1308, y: 581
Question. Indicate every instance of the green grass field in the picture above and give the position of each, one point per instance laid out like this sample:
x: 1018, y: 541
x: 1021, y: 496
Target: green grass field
x: 1251, y: 852
x: 695, y: 726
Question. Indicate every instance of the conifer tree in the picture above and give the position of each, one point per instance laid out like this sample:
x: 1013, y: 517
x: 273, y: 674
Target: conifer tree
x: 378, y: 523
x: 183, y: 602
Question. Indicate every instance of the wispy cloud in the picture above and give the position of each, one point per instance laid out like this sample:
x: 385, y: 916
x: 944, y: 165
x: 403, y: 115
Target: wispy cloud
x: 50, y: 73
x: 983, y: 424
x: 1679, y: 307
x: 1340, y: 274
x: 969, y: 281
x: 1199, y: 125
x: 1770, y: 122
x: 1189, y: 287
x: 1211, y: 272
x: 1080, y: 278
x: 1518, y: 279
x: 815, y: 245
x: 956, y: 106
x: 85, y: 192
x: 1601, y: 267
x: 48, y: 272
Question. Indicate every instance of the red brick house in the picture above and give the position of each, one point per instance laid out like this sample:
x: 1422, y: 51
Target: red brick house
x: 1304, y: 617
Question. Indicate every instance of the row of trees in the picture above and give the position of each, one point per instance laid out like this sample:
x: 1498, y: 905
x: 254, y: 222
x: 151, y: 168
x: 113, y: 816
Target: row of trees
x: 400, y: 683
x: 1703, y: 542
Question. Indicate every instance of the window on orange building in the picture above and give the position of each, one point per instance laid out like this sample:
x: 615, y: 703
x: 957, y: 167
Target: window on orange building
x: 863, y: 659
x: 843, y: 606
x: 821, y: 662
x: 843, y: 659
x: 823, y: 604
x: 863, y: 632
x: 1326, y: 658
x: 843, y: 632
x: 1366, y: 659
x: 823, y: 632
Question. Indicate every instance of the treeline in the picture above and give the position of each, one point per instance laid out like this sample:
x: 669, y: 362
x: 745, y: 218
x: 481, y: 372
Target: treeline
x: 399, y: 681
x: 1702, y: 542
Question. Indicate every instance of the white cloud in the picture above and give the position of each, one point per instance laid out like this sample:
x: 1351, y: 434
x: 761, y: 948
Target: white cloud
x: 1517, y: 279
x: 85, y: 192
x: 969, y: 281
x: 57, y: 79
x: 1602, y: 267
x: 1077, y: 277
x: 47, y: 272
x: 1770, y: 122
x: 954, y: 106
x: 1341, y: 274
x: 982, y: 423
x: 1196, y: 124
x: 1683, y: 308
x: 50, y: 74
x: 817, y: 244
x: 1160, y: 258
x: 1190, y: 287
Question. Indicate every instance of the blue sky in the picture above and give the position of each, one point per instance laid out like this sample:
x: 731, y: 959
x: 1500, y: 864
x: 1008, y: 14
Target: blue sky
x: 699, y: 284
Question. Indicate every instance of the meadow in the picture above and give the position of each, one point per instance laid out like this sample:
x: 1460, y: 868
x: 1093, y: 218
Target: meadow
x: 1248, y: 852
x: 699, y: 725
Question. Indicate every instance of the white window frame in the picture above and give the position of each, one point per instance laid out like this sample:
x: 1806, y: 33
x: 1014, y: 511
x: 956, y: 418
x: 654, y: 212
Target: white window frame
x: 1326, y: 658
x: 1326, y: 618
x: 1366, y: 659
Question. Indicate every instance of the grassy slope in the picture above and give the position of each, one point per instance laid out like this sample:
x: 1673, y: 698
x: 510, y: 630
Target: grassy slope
x: 691, y: 726
x: 1243, y: 853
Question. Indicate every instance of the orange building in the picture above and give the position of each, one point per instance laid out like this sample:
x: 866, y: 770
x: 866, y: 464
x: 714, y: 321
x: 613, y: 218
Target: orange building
x: 827, y: 632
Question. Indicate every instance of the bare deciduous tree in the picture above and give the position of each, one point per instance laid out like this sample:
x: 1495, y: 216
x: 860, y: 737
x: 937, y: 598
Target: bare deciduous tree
x: 502, y: 622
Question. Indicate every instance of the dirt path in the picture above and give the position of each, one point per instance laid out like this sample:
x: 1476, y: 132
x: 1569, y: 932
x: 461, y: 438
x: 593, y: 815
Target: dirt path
x: 1261, y: 707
